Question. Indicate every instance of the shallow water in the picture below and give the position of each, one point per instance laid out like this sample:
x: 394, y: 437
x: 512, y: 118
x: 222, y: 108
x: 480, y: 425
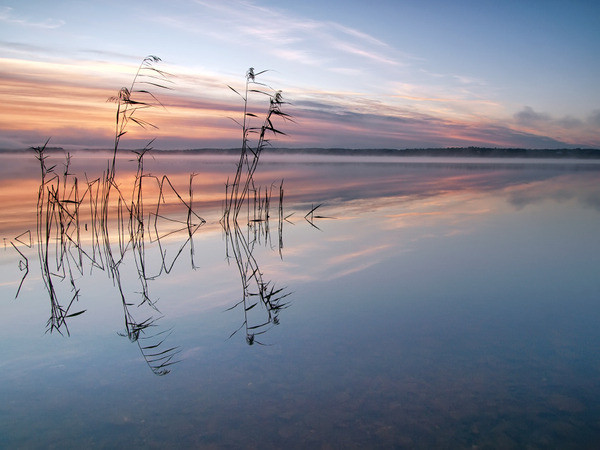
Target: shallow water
x: 430, y: 303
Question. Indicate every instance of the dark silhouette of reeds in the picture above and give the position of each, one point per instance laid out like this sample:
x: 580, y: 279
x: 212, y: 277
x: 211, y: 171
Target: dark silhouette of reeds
x: 61, y: 250
x: 63, y: 254
x: 77, y: 223
x: 57, y: 208
x: 310, y: 216
x: 134, y: 98
x: 191, y: 223
x: 255, y: 290
x: 23, y: 263
x: 250, y: 152
x: 257, y: 293
x: 23, y: 267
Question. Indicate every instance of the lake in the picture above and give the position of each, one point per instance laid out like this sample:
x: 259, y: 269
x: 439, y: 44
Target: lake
x: 341, y: 302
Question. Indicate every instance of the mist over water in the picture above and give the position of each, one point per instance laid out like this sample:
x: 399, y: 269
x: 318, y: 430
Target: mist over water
x: 425, y: 302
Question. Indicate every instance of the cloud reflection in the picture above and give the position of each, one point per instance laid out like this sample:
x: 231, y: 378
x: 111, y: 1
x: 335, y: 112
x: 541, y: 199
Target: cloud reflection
x: 383, y: 208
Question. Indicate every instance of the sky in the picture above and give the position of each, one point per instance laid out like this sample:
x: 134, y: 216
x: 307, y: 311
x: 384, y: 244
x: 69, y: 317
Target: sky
x: 355, y: 74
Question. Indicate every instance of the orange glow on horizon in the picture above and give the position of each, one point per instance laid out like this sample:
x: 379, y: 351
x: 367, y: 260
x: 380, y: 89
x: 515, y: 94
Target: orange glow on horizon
x: 68, y: 102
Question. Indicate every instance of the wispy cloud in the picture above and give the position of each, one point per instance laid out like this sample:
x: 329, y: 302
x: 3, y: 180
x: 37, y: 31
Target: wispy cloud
x: 333, y: 55
x: 594, y: 118
x: 366, y: 54
x: 528, y: 116
x: 7, y: 15
x: 301, y: 56
x: 332, y: 123
x: 367, y: 38
x: 585, y: 131
x: 21, y: 47
x: 68, y: 100
x: 290, y: 36
x: 347, y: 88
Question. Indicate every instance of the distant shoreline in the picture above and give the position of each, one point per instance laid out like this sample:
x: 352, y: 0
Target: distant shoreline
x: 487, y: 152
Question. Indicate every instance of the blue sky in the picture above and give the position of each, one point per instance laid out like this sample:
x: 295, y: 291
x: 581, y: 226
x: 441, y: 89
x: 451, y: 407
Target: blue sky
x: 358, y: 74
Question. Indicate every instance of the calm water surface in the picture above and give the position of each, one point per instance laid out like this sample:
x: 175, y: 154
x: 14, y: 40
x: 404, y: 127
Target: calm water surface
x: 425, y: 303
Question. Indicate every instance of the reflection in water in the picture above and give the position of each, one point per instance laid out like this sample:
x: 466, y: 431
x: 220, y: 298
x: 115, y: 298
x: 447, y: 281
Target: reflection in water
x: 66, y: 248
x: 243, y: 193
x: 23, y: 261
x: 310, y: 216
x: 65, y: 253
x: 435, y: 311
x: 94, y: 225
x: 75, y: 228
x: 255, y: 290
x: 241, y: 244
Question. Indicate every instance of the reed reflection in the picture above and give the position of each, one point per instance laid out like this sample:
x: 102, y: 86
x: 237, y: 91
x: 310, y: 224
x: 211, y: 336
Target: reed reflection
x: 75, y: 231
x: 23, y: 263
x: 261, y: 300
x: 244, y: 194
x: 94, y: 225
x: 83, y: 226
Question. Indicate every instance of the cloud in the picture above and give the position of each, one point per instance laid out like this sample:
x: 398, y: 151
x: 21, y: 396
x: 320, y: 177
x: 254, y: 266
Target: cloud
x: 528, y: 116
x: 7, y: 15
x: 20, y: 47
x: 569, y: 122
x: 300, y: 56
x: 64, y: 99
x: 567, y: 129
x: 68, y: 102
x: 359, y: 34
x: 13, y: 142
x: 594, y: 118
x: 366, y: 121
x: 330, y: 122
x: 363, y: 53
x: 284, y: 34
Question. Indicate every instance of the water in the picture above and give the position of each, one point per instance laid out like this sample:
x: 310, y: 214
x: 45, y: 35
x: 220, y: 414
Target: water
x: 428, y: 303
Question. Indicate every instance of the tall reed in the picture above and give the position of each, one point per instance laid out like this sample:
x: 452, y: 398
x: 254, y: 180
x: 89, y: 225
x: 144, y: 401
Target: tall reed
x: 255, y: 289
x: 60, y: 247
x: 63, y: 200
x: 250, y: 151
